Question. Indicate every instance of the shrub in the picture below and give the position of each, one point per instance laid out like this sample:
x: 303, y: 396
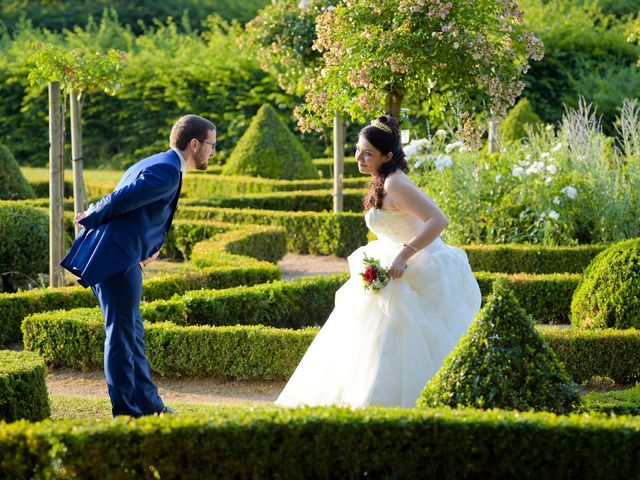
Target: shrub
x: 259, y: 242
x: 502, y: 362
x: 198, y: 186
x: 609, y: 293
x: 268, y: 149
x: 547, y: 298
x: 308, y: 200
x: 326, y: 442
x: 536, y: 259
x: 325, y: 167
x: 24, y: 244
x: 587, y: 353
x: 307, y: 232
x: 513, y: 128
x: 23, y: 389
x: 619, y: 402
x: 13, y: 185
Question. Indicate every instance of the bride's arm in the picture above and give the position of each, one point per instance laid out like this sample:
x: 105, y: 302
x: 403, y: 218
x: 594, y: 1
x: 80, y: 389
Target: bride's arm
x: 405, y: 196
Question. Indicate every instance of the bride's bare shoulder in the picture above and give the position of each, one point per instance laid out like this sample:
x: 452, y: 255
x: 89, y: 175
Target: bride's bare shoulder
x: 398, y: 180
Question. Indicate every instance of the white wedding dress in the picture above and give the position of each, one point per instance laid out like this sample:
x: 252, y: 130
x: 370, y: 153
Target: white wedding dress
x: 381, y: 349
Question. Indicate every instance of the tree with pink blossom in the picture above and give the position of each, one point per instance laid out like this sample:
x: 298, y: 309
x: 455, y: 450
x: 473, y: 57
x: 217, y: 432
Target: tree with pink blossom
x: 466, y: 54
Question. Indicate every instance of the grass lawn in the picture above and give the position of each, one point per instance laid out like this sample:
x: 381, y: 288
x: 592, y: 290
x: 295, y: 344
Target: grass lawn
x: 33, y: 174
x: 619, y: 402
x: 64, y: 406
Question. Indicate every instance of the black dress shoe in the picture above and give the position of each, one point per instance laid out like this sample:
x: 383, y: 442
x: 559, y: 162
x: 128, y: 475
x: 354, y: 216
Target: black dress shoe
x: 166, y: 411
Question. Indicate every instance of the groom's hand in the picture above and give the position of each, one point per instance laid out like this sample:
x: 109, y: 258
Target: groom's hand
x: 79, y: 216
x: 153, y: 257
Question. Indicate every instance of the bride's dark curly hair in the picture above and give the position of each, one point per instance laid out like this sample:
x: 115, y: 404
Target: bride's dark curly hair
x: 384, y: 141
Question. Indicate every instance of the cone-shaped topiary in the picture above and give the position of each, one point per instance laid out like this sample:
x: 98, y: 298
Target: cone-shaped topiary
x: 502, y: 362
x: 268, y: 149
x: 512, y: 128
x: 608, y: 295
x: 13, y: 185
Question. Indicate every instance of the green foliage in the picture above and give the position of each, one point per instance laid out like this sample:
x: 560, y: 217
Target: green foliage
x: 609, y: 293
x: 24, y: 244
x: 585, y: 48
x: 168, y: 72
x: 184, y: 235
x: 565, y: 187
x: 287, y: 304
x: 199, y: 186
x: 376, y: 443
x: 325, y: 167
x: 229, y: 271
x: 13, y: 185
x: 513, y: 127
x: 502, y: 362
x: 229, y: 352
x: 618, y: 402
x: 66, y: 14
x: 547, y: 298
x: 79, y: 69
x: 376, y: 53
x: 259, y: 242
x: 23, y: 390
x: 58, y: 336
x: 605, y: 353
x: 302, y: 201
x: 536, y: 259
x: 283, y: 35
x: 268, y: 149
x: 318, y: 233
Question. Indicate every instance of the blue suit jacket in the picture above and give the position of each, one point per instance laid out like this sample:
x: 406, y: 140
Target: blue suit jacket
x: 130, y: 224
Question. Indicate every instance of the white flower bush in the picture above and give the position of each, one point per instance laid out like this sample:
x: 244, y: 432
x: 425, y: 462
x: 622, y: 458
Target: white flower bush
x: 564, y: 186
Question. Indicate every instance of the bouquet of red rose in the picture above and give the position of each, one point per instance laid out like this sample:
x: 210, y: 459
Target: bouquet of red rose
x: 374, y: 277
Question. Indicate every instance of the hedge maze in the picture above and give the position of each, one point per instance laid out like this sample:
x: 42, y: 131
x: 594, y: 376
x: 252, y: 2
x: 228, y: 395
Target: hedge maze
x: 228, y: 315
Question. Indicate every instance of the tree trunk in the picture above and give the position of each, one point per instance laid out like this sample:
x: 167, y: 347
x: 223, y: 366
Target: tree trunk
x: 395, y: 96
x: 79, y: 195
x: 338, y: 162
x: 56, y: 184
x: 492, y: 143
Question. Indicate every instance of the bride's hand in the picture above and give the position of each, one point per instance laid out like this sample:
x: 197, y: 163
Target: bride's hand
x: 398, y: 266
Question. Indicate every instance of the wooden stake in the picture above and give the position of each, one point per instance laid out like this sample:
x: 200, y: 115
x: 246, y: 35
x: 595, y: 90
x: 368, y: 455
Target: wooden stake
x: 56, y: 184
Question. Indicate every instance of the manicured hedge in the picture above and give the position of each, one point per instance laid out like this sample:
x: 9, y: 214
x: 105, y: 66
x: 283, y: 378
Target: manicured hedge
x: 538, y: 259
x: 305, y: 200
x: 325, y: 167
x: 547, y: 298
x: 307, y: 232
x: 23, y: 389
x: 183, y: 235
x: 260, y: 242
x: 607, y: 353
x: 228, y: 270
x: 202, y: 185
x: 327, y: 443
x: 75, y: 339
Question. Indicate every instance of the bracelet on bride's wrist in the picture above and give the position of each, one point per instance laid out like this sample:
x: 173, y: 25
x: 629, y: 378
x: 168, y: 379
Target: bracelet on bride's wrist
x: 410, y: 246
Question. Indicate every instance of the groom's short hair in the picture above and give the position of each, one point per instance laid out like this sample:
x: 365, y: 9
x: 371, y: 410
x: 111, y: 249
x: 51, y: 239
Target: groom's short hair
x: 188, y: 127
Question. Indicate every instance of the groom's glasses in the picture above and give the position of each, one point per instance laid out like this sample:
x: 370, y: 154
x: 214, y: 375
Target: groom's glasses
x: 213, y: 145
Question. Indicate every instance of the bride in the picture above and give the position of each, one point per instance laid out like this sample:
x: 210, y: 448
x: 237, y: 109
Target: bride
x: 381, y: 349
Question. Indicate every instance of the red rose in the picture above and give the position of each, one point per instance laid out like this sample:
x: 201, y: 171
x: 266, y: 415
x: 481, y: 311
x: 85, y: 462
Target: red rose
x: 370, y: 274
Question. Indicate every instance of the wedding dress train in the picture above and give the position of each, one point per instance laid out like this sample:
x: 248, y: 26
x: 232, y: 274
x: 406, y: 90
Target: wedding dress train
x: 381, y: 349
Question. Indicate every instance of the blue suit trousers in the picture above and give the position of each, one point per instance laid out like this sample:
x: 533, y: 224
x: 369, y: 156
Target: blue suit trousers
x: 126, y: 367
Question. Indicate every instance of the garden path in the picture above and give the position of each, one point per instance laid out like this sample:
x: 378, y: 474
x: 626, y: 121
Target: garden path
x: 92, y: 384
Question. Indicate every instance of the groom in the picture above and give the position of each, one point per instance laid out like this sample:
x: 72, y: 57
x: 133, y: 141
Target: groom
x: 122, y: 233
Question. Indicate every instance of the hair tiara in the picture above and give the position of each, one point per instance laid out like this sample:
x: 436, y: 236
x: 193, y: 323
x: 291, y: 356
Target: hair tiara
x: 379, y: 124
